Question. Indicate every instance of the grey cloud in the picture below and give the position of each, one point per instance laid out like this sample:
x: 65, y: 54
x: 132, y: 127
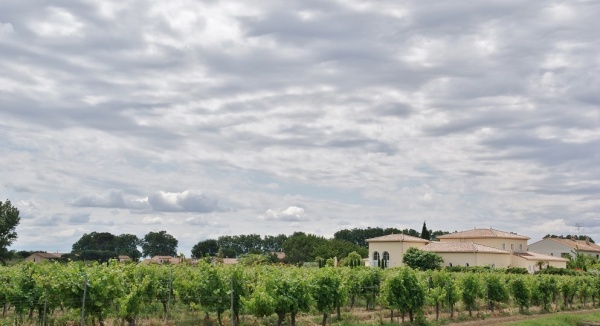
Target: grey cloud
x: 47, y: 221
x: 187, y: 201
x: 544, y: 151
x: 113, y: 199
x: 394, y: 109
x: 298, y: 80
x: 20, y: 188
x: 82, y: 218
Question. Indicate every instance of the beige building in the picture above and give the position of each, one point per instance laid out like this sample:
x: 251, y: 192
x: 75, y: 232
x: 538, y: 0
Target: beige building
x: 39, y: 257
x: 476, y: 247
x: 565, y: 247
x: 531, y: 260
x: 470, y: 254
x: 390, y: 249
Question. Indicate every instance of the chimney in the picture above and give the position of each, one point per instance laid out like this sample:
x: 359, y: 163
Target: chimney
x: 587, y: 240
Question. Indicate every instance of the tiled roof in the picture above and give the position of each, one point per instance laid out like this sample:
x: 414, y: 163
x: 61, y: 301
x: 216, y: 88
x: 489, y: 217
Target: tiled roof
x: 483, y: 233
x: 397, y: 238
x: 462, y: 247
x: 580, y: 245
x: 530, y: 255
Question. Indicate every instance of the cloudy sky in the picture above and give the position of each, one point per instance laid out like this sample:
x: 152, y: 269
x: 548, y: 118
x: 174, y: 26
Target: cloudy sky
x: 210, y: 118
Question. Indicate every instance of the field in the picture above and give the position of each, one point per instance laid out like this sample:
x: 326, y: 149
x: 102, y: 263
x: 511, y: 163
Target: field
x: 116, y: 294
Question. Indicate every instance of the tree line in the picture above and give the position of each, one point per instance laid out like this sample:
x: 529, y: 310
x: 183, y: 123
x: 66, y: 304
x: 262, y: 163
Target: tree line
x: 570, y: 237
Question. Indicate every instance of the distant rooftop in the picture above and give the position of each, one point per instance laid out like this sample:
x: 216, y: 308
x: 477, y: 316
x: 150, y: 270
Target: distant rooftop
x: 529, y: 255
x: 397, y: 238
x: 483, y: 233
x: 462, y: 247
x: 577, y: 244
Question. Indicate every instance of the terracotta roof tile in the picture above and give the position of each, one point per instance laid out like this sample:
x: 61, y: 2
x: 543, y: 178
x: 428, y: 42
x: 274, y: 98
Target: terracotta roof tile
x: 462, y: 247
x: 581, y: 245
x: 397, y: 238
x: 530, y: 255
x: 483, y: 233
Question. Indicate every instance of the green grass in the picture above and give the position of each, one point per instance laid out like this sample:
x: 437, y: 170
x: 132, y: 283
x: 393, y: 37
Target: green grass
x: 559, y: 320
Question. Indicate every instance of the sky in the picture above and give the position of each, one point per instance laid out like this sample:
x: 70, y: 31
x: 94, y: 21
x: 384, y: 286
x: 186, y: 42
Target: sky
x: 210, y: 118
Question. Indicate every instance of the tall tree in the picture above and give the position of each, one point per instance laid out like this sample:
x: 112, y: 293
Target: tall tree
x: 300, y: 247
x: 127, y: 244
x: 274, y: 243
x: 425, y: 234
x: 208, y: 247
x: 102, y: 241
x: 9, y: 219
x: 159, y: 244
x: 358, y: 236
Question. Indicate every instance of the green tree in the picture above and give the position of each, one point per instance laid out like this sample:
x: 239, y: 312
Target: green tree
x: 102, y: 241
x: 422, y: 260
x: 209, y: 247
x: 127, y: 244
x: 9, y: 219
x: 359, y: 236
x: 338, y: 248
x: 159, y: 244
x: 300, y: 247
x: 354, y: 260
x: 254, y: 259
x: 274, y: 243
x: 425, y: 234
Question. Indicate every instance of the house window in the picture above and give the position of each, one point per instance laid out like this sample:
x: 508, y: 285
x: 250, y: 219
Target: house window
x: 503, y: 245
x: 493, y: 265
x: 512, y: 246
x: 386, y: 259
x: 450, y: 264
x: 467, y: 264
x: 521, y: 247
x: 376, y: 259
x: 551, y: 254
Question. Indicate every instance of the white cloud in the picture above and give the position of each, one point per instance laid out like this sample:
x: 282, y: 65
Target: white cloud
x: 58, y: 22
x: 6, y: 29
x: 186, y: 201
x: 370, y: 113
x: 290, y: 214
x: 152, y: 220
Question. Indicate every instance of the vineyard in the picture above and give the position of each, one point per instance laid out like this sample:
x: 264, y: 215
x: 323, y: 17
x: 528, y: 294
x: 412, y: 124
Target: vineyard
x: 100, y: 294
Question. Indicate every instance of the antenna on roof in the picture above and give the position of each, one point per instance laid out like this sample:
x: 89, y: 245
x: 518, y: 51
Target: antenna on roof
x: 579, y: 226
